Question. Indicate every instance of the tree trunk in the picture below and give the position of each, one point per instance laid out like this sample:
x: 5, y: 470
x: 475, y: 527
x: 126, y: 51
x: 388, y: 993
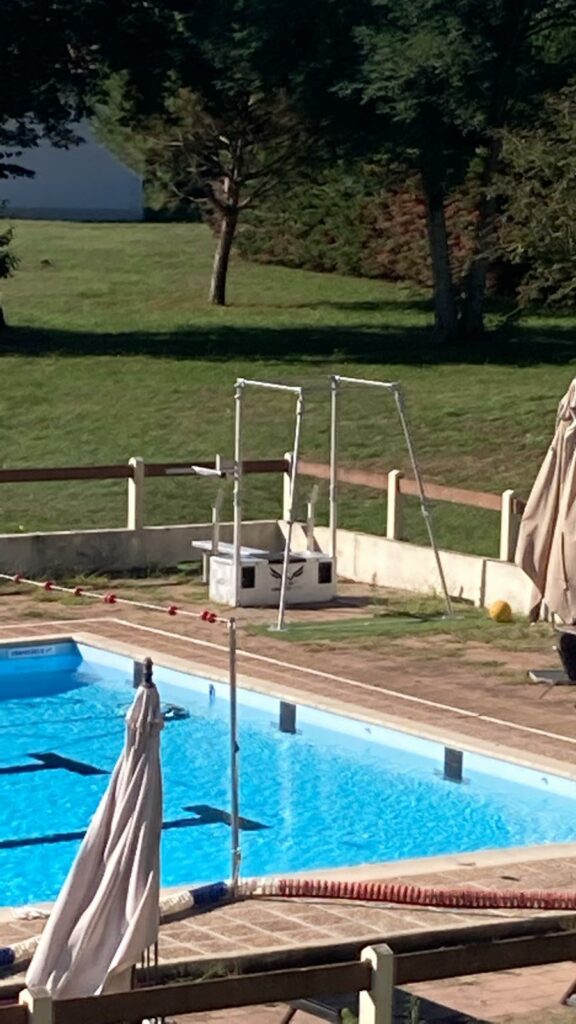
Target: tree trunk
x: 222, y: 257
x: 3, y: 323
x: 472, y: 320
x: 445, y: 314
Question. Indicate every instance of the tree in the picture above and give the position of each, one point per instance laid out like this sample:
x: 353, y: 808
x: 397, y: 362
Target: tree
x: 449, y: 77
x: 165, y: 185
x: 38, y: 98
x: 8, y: 263
x: 43, y: 78
x: 224, y: 159
x: 53, y: 56
x: 221, y: 130
x: 538, y: 228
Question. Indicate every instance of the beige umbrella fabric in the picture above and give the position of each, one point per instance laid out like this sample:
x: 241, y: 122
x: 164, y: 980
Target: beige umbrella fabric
x: 107, y: 911
x: 546, y: 548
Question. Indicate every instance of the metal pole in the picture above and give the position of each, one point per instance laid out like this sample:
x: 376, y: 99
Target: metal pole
x: 311, y: 517
x: 424, y: 506
x: 237, y: 538
x: 334, y: 386
x: 388, y: 385
x: 216, y: 509
x: 294, y: 388
x: 291, y: 504
x: 234, y: 750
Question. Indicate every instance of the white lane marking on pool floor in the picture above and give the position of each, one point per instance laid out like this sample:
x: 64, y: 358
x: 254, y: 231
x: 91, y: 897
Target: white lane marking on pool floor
x: 354, y: 682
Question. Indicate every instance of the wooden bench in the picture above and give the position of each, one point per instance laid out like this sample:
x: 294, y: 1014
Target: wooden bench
x: 406, y: 1008
x: 329, y: 1008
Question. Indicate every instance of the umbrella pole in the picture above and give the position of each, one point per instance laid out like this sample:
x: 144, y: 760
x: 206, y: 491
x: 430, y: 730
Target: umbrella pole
x: 234, y: 750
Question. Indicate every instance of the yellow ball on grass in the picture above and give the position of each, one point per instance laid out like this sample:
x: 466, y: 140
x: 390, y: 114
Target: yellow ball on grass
x: 500, y: 611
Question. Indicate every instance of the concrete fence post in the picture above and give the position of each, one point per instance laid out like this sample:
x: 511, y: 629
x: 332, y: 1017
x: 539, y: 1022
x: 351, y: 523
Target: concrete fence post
x: 394, y: 510
x: 286, y: 488
x: 136, y: 494
x: 509, y: 525
x: 376, y: 1003
x: 39, y: 1006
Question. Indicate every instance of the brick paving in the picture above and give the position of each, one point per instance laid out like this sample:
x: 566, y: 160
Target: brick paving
x: 272, y: 925
x: 375, y: 683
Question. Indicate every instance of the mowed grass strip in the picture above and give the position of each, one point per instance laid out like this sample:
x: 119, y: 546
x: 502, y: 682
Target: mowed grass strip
x: 113, y: 351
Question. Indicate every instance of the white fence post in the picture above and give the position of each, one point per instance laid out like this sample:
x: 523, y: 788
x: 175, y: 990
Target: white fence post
x: 375, y: 1003
x: 509, y: 524
x: 136, y: 494
x: 38, y: 1004
x: 394, y: 517
x: 286, y: 488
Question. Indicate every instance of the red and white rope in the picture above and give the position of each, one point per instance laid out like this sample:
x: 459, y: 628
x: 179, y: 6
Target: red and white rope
x: 111, y: 598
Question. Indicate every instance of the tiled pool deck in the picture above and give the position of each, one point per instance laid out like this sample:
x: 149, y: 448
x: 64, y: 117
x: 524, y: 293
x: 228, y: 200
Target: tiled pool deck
x: 539, y: 730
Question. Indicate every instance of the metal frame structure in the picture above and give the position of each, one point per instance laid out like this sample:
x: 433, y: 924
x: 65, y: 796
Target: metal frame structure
x: 234, y: 751
x: 393, y: 388
x: 239, y: 389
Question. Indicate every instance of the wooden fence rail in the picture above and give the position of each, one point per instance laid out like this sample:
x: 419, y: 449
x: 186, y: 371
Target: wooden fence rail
x: 127, y: 471
x: 13, y: 1015
x: 361, y: 477
x: 437, y: 492
x: 443, y: 954
x: 136, y: 471
x: 218, y: 994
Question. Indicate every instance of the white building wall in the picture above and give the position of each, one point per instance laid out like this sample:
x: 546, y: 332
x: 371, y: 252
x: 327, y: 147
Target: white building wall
x: 85, y: 182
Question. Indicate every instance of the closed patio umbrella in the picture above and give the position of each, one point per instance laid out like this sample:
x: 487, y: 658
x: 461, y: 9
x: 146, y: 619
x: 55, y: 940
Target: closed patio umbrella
x: 106, y: 914
x: 546, y: 548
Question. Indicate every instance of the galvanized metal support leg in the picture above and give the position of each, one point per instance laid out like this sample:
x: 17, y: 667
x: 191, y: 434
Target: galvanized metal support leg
x: 234, y: 751
x: 135, y: 518
x: 424, y: 506
x: 291, y: 509
x: 237, y: 539
x: 334, y: 386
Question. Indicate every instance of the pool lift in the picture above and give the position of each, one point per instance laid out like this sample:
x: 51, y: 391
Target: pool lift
x: 258, y: 577
x: 241, y: 575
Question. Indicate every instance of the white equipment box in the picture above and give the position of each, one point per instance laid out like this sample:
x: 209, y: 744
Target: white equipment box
x: 311, y: 578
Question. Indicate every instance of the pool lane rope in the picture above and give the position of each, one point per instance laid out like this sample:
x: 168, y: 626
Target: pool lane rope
x: 110, y: 598
x: 14, y: 959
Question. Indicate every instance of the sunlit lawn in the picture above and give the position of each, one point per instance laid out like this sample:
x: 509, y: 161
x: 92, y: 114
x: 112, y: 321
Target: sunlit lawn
x: 113, y: 352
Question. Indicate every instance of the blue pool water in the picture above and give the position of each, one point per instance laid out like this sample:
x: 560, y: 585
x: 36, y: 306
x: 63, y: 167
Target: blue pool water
x: 336, y: 793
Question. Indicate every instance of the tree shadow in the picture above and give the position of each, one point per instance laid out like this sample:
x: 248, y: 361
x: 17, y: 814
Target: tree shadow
x: 519, y: 346
x: 368, y: 306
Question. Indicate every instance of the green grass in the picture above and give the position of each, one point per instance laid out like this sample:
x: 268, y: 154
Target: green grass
x: 407, y: 618
x: 113, y: 352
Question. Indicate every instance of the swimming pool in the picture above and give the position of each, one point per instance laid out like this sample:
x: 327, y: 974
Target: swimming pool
x: 337, y: 792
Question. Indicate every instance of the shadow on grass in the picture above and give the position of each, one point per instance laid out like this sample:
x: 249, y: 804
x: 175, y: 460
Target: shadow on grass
x: 368, y: 306
x: 524, y: 346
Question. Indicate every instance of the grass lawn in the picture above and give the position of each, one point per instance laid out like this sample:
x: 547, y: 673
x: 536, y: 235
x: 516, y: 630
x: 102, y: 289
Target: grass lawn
x: 113, y: 351
x: 418, y: 617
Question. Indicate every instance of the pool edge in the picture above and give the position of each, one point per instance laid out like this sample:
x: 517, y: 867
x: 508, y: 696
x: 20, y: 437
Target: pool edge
x: 446, y: 737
